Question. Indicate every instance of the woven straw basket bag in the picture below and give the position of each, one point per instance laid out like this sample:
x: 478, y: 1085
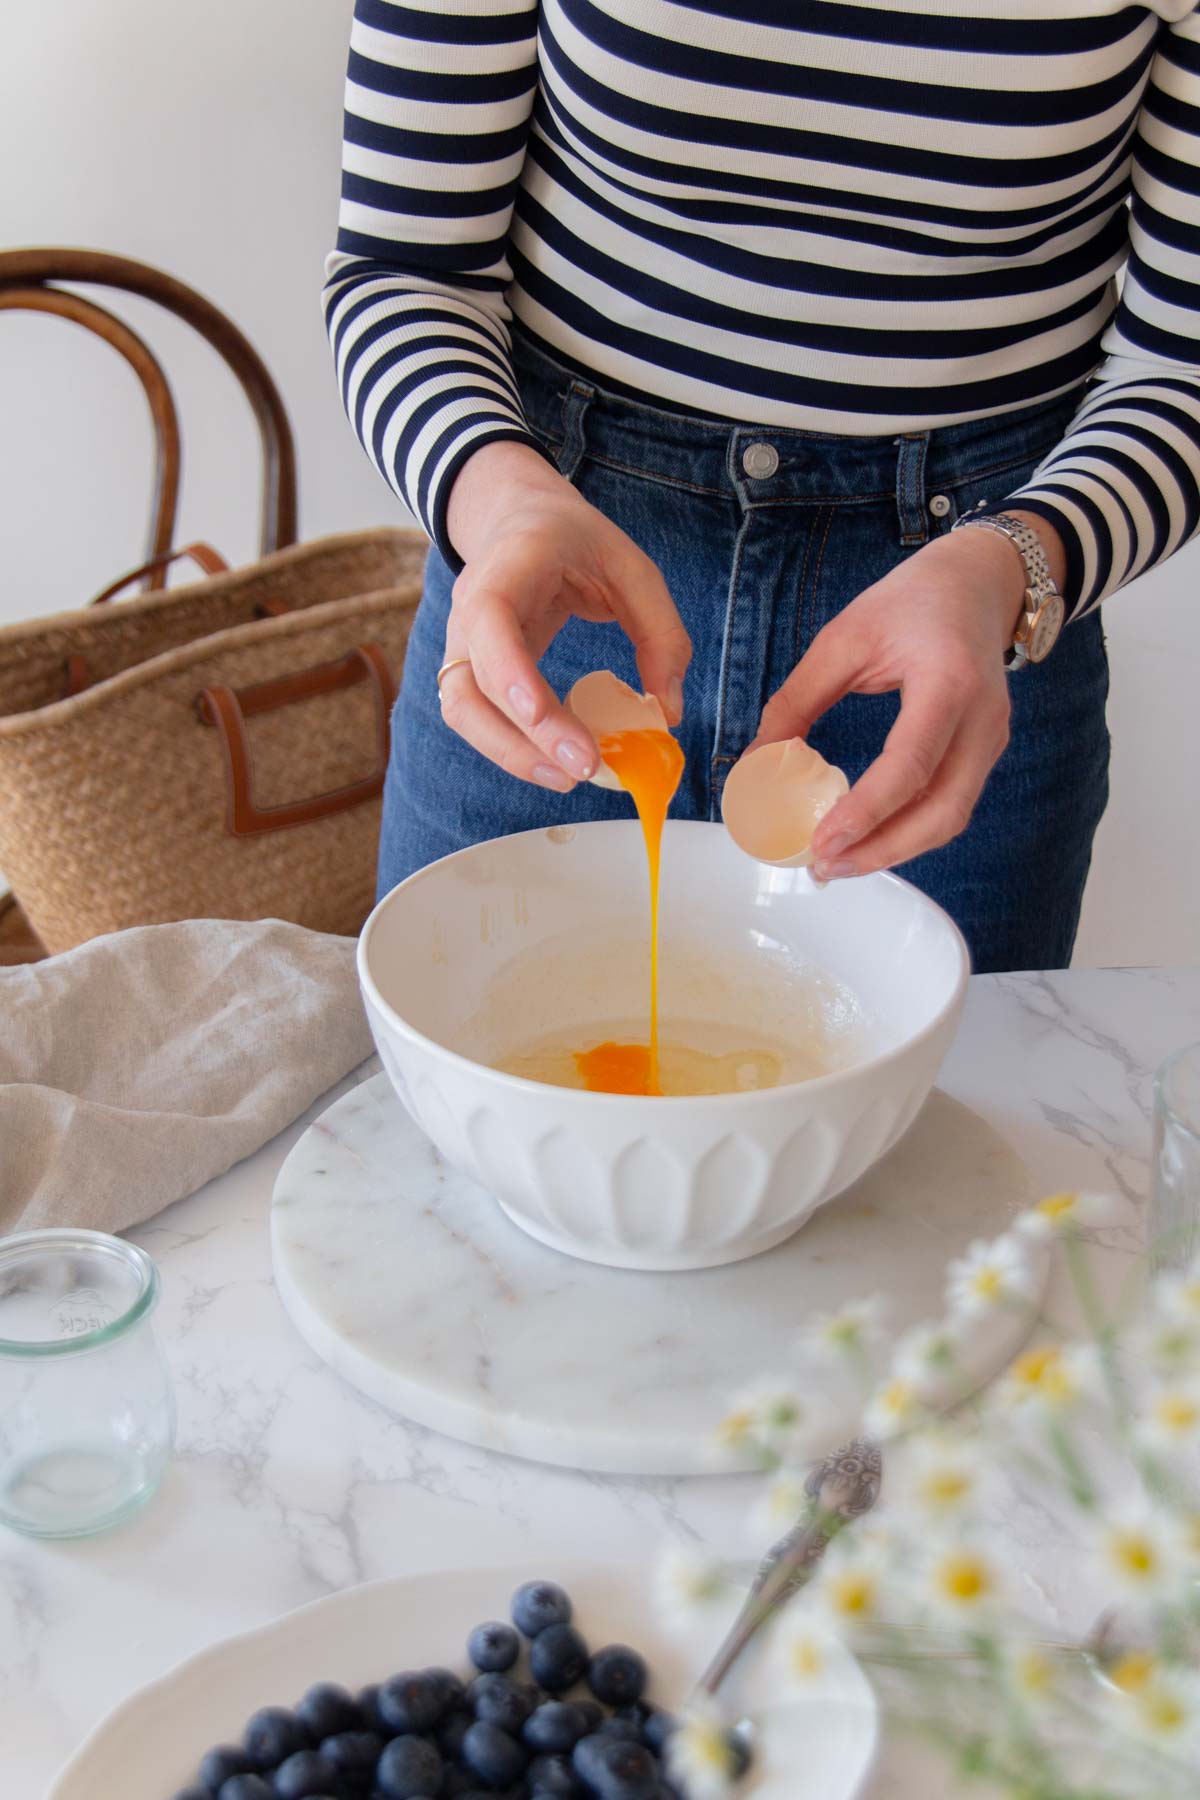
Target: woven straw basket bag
x: 218, y: 750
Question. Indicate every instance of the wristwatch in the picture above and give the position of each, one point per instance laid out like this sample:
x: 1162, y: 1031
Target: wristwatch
x: 1044, y: 611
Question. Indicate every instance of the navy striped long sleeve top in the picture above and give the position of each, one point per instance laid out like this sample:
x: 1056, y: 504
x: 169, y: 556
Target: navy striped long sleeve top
x: 859, y: 216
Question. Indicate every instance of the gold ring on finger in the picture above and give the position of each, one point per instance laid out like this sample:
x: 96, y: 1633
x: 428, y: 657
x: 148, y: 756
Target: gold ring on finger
x: 456, y: 662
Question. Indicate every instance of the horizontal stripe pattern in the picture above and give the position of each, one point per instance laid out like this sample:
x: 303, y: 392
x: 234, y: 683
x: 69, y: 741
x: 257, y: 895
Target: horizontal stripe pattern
x: 858, y: 216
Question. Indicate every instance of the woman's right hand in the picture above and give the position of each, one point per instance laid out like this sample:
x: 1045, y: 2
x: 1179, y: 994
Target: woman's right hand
x: 535, y: 554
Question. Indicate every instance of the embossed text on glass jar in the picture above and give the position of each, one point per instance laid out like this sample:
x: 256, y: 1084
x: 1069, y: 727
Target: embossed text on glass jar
x: 87, y: 1414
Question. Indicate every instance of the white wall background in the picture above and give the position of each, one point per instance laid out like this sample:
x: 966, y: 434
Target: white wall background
x: 204, y: 139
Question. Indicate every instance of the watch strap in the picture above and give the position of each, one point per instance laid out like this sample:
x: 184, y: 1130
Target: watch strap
x: 1039, y: 582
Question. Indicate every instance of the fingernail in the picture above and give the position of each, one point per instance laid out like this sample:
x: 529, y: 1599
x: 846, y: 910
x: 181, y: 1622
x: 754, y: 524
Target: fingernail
x: 548, y: 776
x: 834, y: 871
x: 522, y: 703
x: 675, y: 697
x: 574, y: 760
x: 841, y: 840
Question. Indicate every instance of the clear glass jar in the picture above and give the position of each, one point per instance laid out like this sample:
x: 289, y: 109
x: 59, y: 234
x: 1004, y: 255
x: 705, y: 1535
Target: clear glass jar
x: 87, y: 1412
x: 1175, y: 1193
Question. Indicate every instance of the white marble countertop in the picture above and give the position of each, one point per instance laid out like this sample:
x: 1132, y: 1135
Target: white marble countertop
x: 288, y: 1484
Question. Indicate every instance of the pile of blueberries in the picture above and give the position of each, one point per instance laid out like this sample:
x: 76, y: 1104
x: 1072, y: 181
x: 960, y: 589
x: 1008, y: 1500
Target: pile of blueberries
x: 425, y: 1735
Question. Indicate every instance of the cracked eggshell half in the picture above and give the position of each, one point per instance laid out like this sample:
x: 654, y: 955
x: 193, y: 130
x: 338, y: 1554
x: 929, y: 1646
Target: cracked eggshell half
x: 604, y: 703
x: 774, y: 799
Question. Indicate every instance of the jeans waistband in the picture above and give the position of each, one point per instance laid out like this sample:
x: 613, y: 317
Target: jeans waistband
x: 768, y: 465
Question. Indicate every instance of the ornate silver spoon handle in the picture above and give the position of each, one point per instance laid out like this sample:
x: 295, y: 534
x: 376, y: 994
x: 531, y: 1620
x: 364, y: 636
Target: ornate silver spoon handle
x: 840, y: 1489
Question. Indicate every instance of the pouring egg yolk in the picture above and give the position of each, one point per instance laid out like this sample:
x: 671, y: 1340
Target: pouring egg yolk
x: 638, y: 754
x: 649, y: 766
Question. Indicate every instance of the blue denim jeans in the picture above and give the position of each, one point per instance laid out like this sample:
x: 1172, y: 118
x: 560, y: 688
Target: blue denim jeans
x: 757, y: 564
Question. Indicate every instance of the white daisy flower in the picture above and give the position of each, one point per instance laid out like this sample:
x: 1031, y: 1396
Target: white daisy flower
x: 1138, y: 1553
x: 1170, y: 1418
x: 992, y: 1274
x: 1029, y: 1671
x: 894, y: 1407
x: 1164, y: 1710
x: 849, y: 1589
x: 942, y: 1477
x: 1133, y: 1671
x: 1185, y: 1531
x: 780, y: 1505
x: 766, y: 1420
x: 802, y: 1646
x: 703, y: 1758
x: 1051, y: 1379
x: 1059, y: 1214
x: 689, y: 1588
x: 928, y: 1355
x: 848, y: 1335
x: 963, y: 1584
x: 1176, y: 1295
x: 1167, y: 1346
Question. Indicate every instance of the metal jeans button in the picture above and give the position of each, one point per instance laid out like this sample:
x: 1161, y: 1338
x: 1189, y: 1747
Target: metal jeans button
x: 939, y: 506
x: 760, y: 460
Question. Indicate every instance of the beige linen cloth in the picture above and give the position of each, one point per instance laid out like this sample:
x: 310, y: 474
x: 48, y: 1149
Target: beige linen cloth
x: 138, y: 1066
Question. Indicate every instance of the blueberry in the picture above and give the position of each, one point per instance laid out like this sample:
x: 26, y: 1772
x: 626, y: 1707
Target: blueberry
x: 616, y: 1769
x: 409, y: 1768
x: 273, y: 1735
x: 368, y: 1706
x: 449, y: 1686
x: 539, y: 1604
x: 617, y: 1675
x: 245, y: 1787
x: 223, y: 1762
x: 628, y: 1731
x: 414, y: 1701
x: 354, y: 1755
x: 553, y: 1778
x: 585, y: 1758
x: 658, y: 1730
x: 639, y: 1712
x: 456, y: 1782
x: 305, y: 1776
x: 493, y: 1647
x: 498, y: 1701
x: 592, y: 1713
x: 558, y: 1656
x: 555, y: 1726
x: 451, y: 1732
x: 741, y: 1754
x: 327, y: 1709
x: 491, y: 1754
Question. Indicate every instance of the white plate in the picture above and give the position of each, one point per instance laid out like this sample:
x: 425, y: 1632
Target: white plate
x: 151, y: 1744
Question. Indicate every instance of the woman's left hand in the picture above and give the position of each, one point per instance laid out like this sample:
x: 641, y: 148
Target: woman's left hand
x: 936, y: 628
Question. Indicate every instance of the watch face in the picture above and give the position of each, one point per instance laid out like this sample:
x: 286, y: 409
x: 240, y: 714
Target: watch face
x: 1044, y: 628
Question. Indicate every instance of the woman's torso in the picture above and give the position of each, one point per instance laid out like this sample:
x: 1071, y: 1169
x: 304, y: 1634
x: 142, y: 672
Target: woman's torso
x: 851, y: 217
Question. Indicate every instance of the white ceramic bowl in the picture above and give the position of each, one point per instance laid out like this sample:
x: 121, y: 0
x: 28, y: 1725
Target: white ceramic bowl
x: 476, y: 956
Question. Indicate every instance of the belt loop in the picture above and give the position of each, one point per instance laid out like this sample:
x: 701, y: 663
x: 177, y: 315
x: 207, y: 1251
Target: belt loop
x: 910, y: 487
x: 576, y: 400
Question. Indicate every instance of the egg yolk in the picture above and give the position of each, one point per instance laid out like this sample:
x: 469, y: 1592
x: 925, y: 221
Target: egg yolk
x: 649, y: 766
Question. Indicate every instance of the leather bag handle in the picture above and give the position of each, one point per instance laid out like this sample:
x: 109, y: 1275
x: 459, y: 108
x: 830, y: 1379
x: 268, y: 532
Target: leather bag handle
x: 38, y: 267
x: 228, y: 709
x: 208, y: 559
x: 155, y: 386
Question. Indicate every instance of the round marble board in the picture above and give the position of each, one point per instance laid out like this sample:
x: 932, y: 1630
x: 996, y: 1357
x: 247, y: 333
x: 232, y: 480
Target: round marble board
x: 407, y: 1279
